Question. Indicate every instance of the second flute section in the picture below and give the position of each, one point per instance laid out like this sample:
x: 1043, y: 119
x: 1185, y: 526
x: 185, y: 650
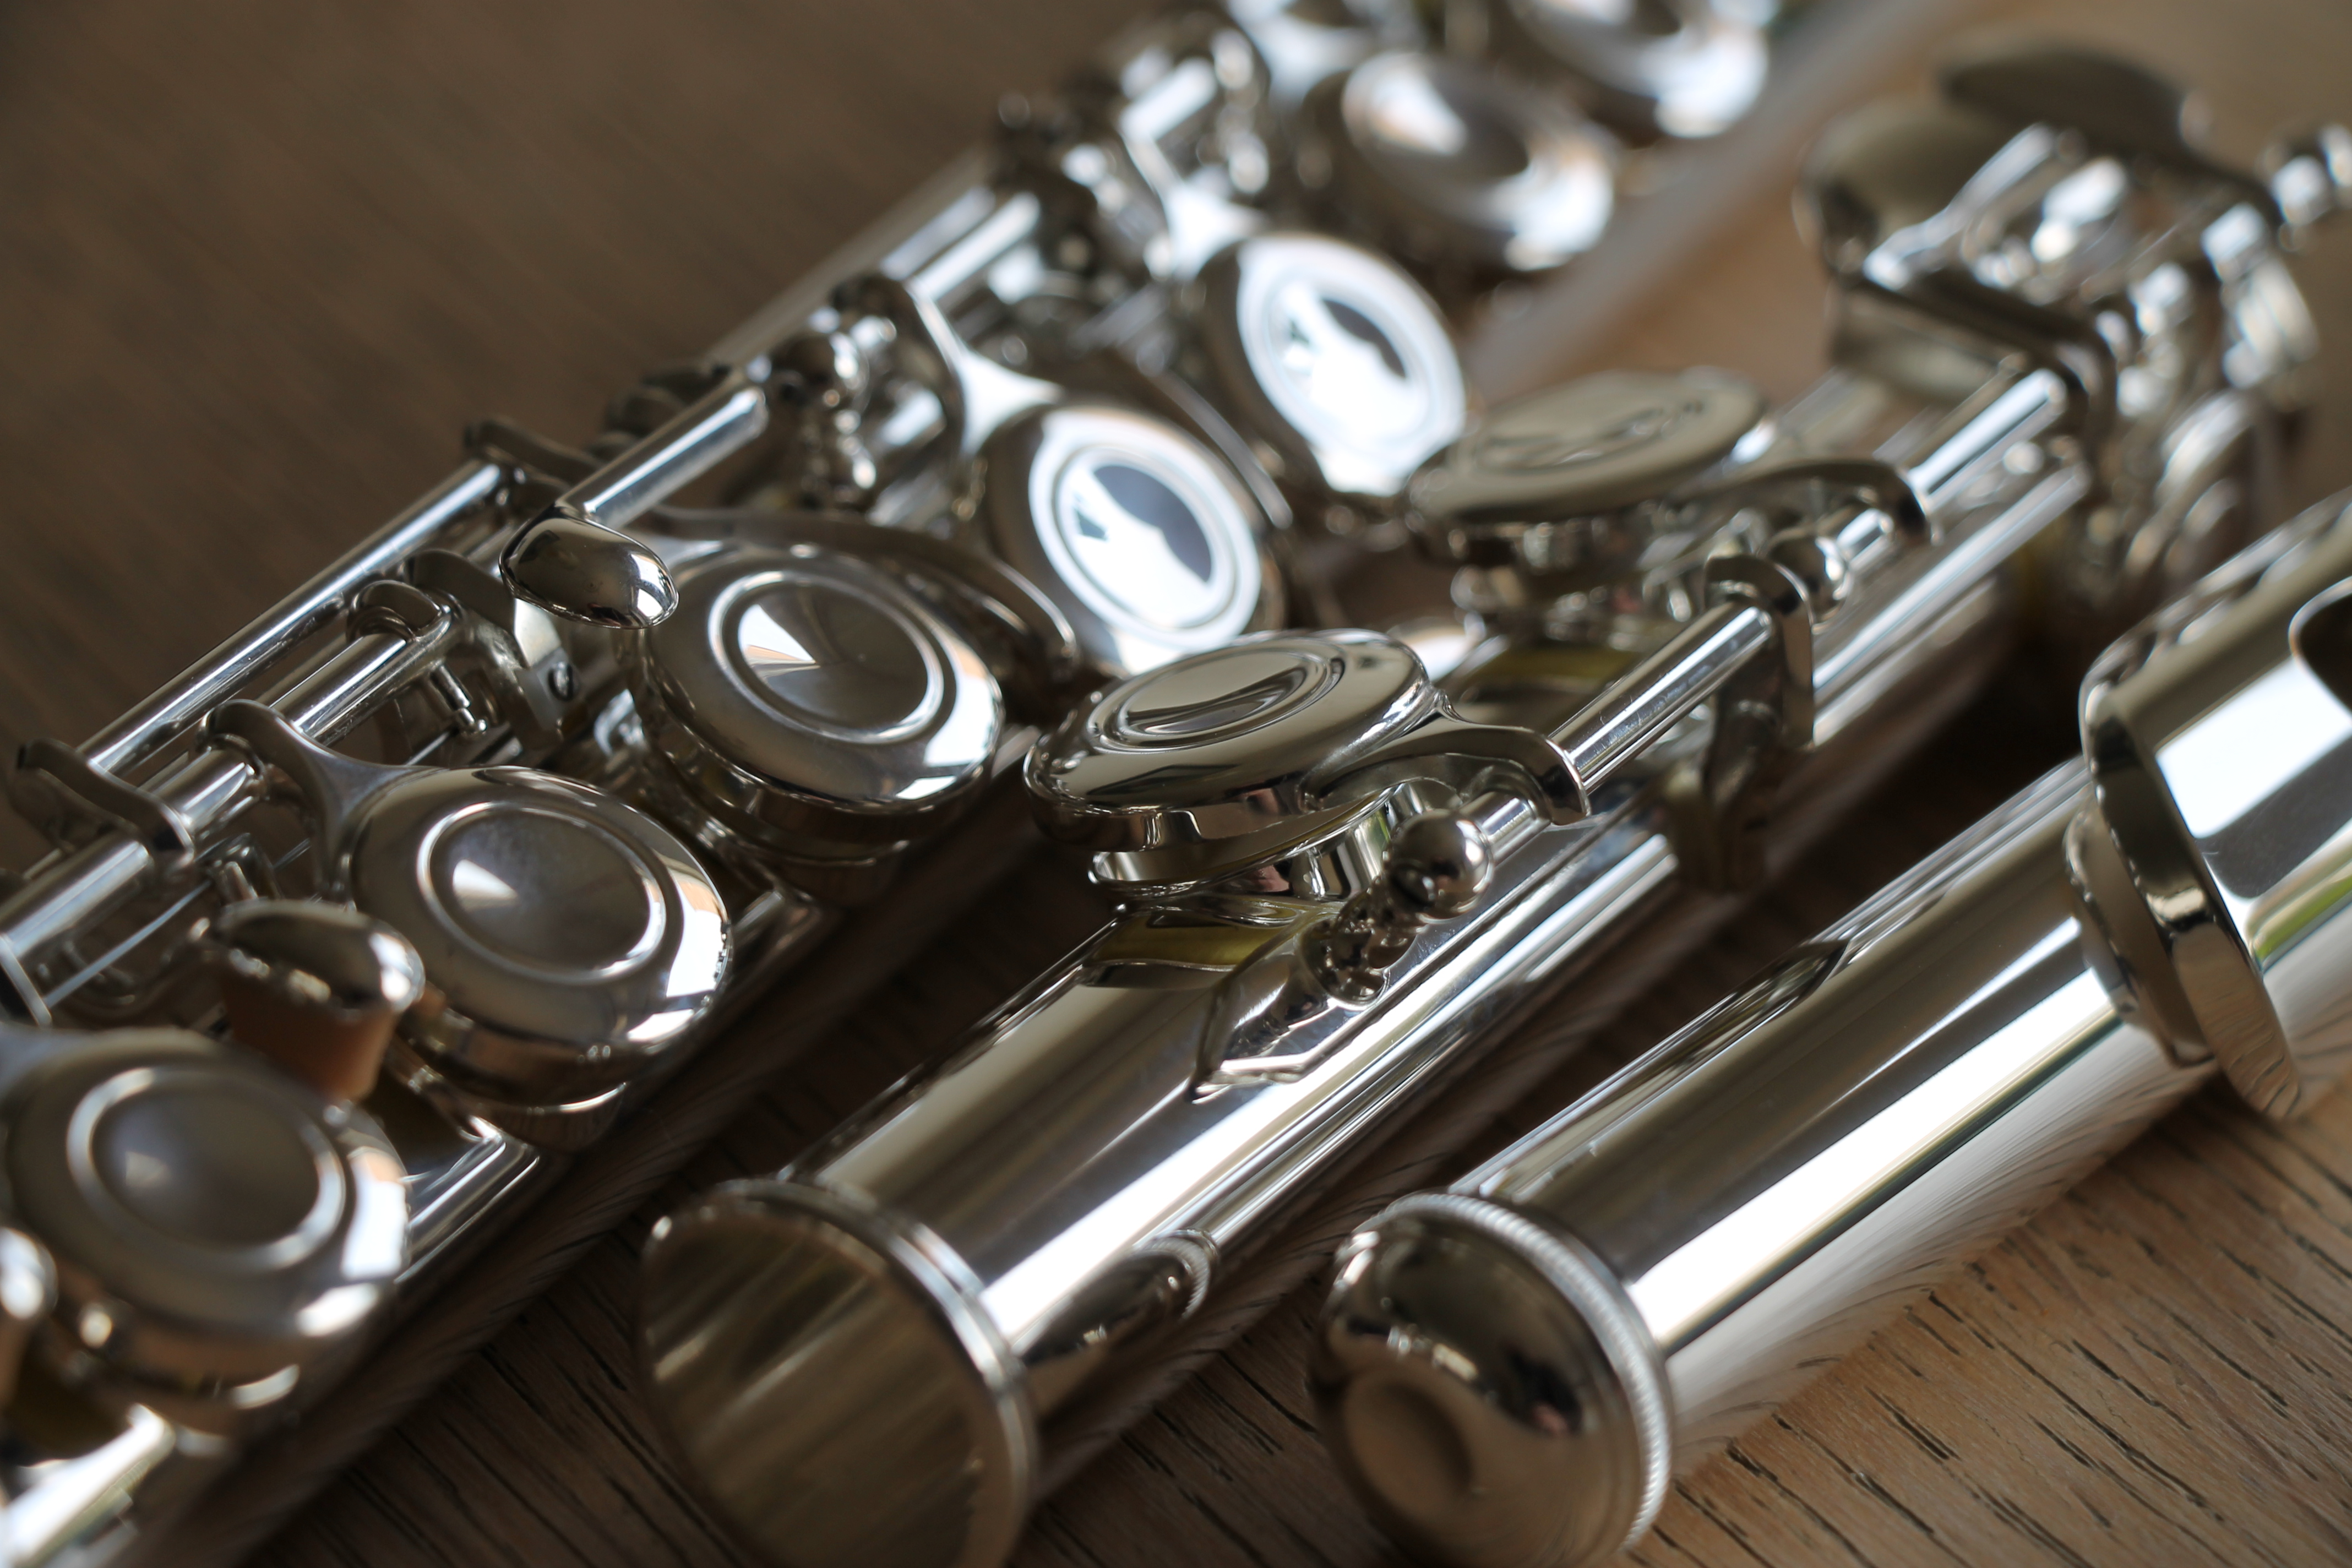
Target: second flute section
x: 1045, y: 936
x: 1342, y: 871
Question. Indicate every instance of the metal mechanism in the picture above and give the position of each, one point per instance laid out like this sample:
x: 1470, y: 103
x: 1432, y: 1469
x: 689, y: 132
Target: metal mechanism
x: 428, y: 877
x: 211, y: 1235
x: 1511, y: 1371
x: 317, y: 988
x: 1341, y: 869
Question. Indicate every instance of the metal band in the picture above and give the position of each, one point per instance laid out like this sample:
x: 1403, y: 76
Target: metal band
x: 1587, y: 1284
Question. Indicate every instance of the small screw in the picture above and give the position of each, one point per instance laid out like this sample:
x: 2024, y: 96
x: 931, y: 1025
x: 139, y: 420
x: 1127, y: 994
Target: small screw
x: 562, y: 679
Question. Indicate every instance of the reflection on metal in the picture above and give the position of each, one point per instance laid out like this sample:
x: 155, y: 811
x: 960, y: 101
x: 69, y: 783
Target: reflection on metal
x: 1338, y: 876
x: 1951, y: 1056
x: 528, y: 791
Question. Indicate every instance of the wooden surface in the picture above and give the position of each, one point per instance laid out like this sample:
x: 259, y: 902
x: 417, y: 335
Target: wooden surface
x: 259, y: 261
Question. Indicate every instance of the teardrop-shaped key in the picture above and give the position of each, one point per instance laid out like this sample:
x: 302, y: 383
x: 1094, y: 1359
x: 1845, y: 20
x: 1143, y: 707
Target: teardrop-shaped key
x: 585, y: 572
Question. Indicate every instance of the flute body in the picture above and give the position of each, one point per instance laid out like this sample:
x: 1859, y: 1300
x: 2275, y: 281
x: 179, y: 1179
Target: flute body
x: 600, y: 740
x: 1340, y: 881
x: 534, y: 790
x: 1512, y: 1371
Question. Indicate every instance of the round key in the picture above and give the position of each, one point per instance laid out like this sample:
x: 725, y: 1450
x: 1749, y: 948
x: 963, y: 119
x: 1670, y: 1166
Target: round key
x: 1452, y: 165
x: 812, y: 699
x: 1674, y: 68
x: 570, y: 942
x: 1142, y: 537
x: 1209, y: 764
x: 1542, y: 483
x: 218, y: 1228
x: 1335, y: 359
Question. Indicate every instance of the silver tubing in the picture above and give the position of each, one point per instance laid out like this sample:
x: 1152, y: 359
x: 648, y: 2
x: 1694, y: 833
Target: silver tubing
x: 1665, y: 688
x: 1337, y: 882
x: 723, y: 421
x: 227, y: 671
x: 67, y: 1498
x: 1925, y: 1073
x: 1278, y: 1077
x: 1161, y: 1127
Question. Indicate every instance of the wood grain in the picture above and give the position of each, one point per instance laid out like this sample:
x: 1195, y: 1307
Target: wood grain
x: 261, y: 261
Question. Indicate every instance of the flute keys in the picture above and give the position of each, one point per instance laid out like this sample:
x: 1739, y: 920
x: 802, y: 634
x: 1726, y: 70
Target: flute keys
x: 315, y: 987
x: 570, y: 942
x: 1334, y: 358
x: 1140, y: 534
x: 1234, y: 759
x: 1449, y: 164
x: 810, y: 696
x: 218, y: 1229
x: 1545, y: 483
x: 1673, y: 67
x: 1202, y: 765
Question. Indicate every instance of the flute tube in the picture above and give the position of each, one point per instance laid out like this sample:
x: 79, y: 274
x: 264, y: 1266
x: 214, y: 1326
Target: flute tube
x: 1510, y: 1372
x: 888, y: 1350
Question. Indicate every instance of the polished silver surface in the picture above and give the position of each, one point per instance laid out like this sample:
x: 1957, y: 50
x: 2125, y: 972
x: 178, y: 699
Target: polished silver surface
x: 1787, y: 1125
x: 467, y: 862
x: 313, y: 954
x: 167, y: 713
x: 1757, y: 1193
x: 1555, y: 483
x: 2225, y: 782
x: 1254, y: 732
x: 1564, y: 1410
x: 1333, y: 356
x: 1652, y: 68
x: 1336, y: 883
x: 579, y: 568
x: 969, y: 374
x: 316, y: 987
x: 572, y: 561
x: 1972, y: 210
x: 810, y: 696
x: 1452, y: 165
x: 218, y: 1232
x: 1140, y: 534
x: 869, y: 1300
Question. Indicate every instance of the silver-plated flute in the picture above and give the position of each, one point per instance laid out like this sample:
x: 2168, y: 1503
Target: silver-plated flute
x: 482, y: 832
x: 1339, y: 877
x: 1511, y: 1371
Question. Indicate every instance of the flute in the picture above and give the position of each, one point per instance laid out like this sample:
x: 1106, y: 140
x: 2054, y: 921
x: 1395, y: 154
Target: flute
x: 1338, y: 877
x: 527, y: 793
x: 1511, y: 1372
